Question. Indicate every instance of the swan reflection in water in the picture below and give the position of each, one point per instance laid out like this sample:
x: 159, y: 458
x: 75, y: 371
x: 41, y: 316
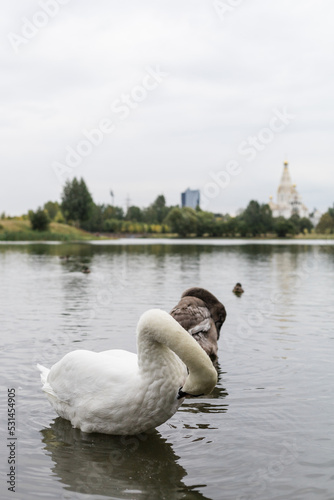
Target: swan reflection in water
x: 124, y: 467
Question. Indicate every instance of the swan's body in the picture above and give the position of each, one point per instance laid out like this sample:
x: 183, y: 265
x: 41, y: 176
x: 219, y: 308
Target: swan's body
x: 118, y: 392
x: 202, y: 315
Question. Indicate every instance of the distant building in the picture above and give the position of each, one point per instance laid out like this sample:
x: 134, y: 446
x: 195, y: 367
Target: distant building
x: 289, y: 201
x: 190, y: 198
x: 315, y: 217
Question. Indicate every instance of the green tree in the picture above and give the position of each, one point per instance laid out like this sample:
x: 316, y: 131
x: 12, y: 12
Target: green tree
x: 255, y: 220
x: 113, y: 212
x: 242, y: 228
x: 157, y: 211
x: 134, y: 214
x: 295, y: 221
x: 59, y: 217
x: 118, y: 213
x: 326, y: 223
x: 95, y: 220
x: 206, y: 223
x: 283, y: 226
x: 182, y: 221
x: 39, y: 220
x: 76, y: 201
x: 300, y: 224
x: 230, y: 227
x: 112, y: 226
x: 305, y: 225
x: 331, y: 211
x: 52, y: 208
x: 100, y: 214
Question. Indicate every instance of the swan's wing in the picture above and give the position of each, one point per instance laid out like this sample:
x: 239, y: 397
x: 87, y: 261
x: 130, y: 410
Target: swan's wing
x: 121, y: 354
x: 84, y: 374
x: 202, y: 327
x: 192, y: 317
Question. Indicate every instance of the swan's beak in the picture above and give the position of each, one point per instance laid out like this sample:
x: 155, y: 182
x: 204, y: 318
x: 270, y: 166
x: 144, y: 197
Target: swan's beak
x: 182, y: 394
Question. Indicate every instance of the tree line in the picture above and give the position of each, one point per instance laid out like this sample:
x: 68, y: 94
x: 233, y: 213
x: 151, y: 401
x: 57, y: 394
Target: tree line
x: 78, y: 208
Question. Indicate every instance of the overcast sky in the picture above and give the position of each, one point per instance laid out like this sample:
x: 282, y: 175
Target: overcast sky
x: 152, y: 97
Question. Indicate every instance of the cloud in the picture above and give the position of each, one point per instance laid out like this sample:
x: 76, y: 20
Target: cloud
x: 225, y: 78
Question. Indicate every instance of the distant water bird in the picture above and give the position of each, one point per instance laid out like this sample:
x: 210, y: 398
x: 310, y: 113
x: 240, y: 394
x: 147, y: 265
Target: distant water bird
x: 64, y: 257
x: 85, y: 270
x: 118, y: 392
x: 202, y: 315
x: 238, y: 290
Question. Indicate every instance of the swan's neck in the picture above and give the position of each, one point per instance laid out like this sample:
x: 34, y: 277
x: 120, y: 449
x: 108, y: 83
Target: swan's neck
x: 158, y: 335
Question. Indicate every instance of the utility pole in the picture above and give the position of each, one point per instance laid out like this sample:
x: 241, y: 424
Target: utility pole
x: 127, y: 201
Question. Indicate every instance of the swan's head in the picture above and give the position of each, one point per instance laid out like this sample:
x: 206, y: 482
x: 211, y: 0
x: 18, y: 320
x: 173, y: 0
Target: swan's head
x: 202, y: 380
x: 216, y: 308
x: 159, y: 326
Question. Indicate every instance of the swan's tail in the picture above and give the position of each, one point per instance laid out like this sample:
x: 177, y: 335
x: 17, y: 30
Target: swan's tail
x: 44, y: 378
x: 44, y: 373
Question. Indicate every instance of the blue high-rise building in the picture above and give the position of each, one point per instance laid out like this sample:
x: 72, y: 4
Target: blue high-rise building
x: 190, y: 198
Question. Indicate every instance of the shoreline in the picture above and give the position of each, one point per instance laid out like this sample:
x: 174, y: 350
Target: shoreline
x: 55, y: 238
x: 20, y: 231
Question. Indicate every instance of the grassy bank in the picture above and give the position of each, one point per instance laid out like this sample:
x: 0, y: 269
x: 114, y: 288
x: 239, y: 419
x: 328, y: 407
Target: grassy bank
x: 314, y: 236
x: 20, y: 230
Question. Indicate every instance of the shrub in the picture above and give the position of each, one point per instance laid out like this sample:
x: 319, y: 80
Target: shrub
x: 282, y: 227
x: 326, y: 224
x: 39, y: 220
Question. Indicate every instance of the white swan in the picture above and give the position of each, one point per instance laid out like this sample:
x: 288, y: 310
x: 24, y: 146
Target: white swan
x: 118, y: 392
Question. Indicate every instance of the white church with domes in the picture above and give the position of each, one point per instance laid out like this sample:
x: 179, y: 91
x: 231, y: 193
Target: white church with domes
x: 289, y: 201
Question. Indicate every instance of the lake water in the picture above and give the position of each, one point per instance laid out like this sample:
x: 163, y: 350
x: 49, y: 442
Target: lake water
x: 267, y: 430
